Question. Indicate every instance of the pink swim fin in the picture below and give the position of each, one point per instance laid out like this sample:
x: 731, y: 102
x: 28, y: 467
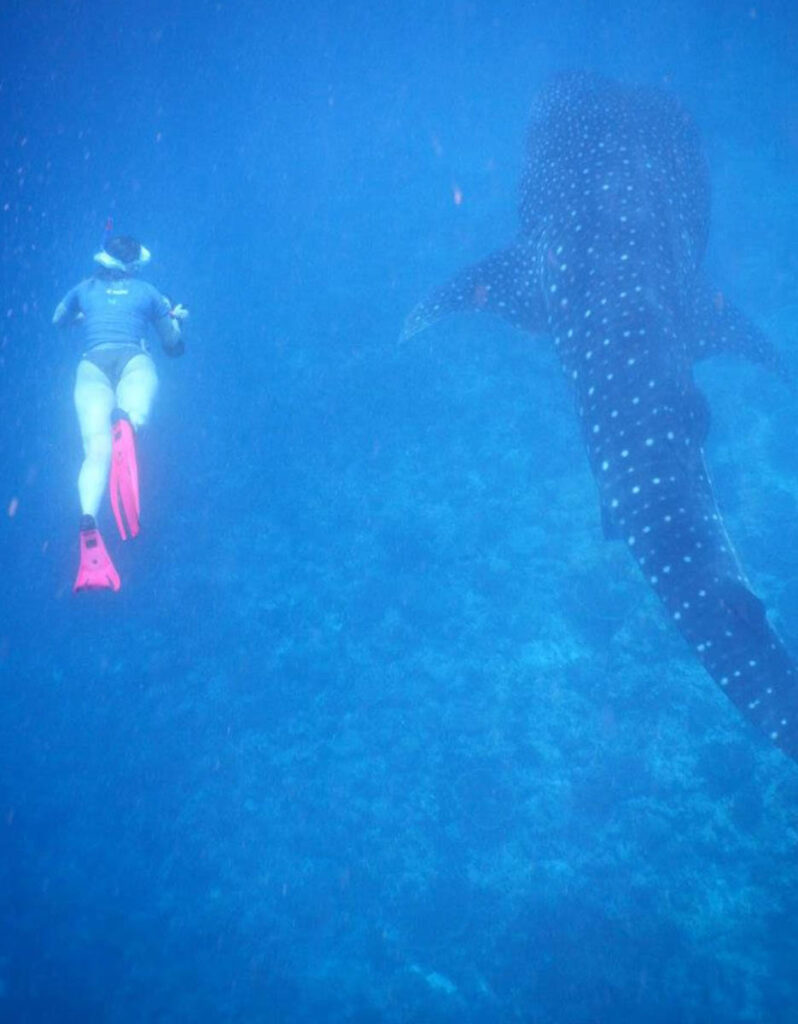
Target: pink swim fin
x: 96, y: 571
x: 124, y: 483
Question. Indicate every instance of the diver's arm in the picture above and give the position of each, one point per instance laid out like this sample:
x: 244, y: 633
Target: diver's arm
x: 168, y: 327
x: 68, y: 309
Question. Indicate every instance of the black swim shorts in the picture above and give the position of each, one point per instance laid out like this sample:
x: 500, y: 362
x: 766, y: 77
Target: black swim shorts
x: 112, y: 359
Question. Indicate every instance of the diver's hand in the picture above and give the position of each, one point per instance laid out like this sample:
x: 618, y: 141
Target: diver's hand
x: 178, y: 312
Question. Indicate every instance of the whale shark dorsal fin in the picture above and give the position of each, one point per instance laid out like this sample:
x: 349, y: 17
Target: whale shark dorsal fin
x: 718, y: 327
x: 504, y: 284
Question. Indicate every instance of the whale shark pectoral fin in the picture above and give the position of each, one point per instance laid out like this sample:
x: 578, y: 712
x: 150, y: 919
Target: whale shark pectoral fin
x: 719, y: 327
x: 505, y: 284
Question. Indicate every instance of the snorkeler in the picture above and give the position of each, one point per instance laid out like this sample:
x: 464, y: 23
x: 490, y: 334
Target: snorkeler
x: 114, y: 388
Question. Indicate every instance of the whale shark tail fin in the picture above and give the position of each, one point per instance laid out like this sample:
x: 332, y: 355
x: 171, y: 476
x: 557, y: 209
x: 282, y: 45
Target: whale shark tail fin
x: 504, y: 284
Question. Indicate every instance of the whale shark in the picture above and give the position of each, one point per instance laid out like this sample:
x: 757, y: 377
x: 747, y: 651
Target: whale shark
x: 614, y: 218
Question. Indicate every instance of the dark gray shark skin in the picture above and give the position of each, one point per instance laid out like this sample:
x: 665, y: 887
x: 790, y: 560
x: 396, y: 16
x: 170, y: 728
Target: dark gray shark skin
x: 614, y: 218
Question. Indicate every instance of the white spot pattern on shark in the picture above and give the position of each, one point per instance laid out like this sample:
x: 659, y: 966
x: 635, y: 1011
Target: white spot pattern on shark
x: 614, y: 219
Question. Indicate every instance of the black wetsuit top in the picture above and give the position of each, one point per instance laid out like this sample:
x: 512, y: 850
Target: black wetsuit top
x: 118, y: 310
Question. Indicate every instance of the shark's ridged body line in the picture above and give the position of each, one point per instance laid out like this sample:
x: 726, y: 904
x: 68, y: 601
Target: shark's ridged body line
x: 614, y: 219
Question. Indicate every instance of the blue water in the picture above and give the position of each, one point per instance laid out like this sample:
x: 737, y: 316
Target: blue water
x: 378, y: 728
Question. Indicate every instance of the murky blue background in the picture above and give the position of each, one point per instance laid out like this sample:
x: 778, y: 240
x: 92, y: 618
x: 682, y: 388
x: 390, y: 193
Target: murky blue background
x: 379, y: 728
